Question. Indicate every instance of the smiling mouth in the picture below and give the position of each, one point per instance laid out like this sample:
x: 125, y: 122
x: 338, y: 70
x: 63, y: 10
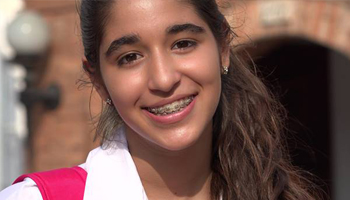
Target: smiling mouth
x: 171, y: 108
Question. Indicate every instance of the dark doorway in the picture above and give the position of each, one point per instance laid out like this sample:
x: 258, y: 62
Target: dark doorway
x: 297, y: 70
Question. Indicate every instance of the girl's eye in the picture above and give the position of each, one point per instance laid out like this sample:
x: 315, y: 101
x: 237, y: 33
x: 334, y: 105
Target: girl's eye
x: 183, y: 44
x: 129, y: 58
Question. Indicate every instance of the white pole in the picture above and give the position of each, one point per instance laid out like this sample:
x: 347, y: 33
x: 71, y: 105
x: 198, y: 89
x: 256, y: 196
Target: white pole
x: 1, y: 123
x: 11, y: 148
x: 340, y: 101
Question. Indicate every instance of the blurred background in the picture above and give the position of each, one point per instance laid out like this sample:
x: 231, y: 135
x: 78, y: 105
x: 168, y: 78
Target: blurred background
x: 301, y: 48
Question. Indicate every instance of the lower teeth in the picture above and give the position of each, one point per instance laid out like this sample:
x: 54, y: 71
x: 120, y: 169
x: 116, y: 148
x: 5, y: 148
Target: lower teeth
x: 175, y: 111
x: 171, y: 112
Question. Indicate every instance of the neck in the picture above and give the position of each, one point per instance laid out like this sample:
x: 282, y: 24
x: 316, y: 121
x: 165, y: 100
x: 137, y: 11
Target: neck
x: 184, y: 174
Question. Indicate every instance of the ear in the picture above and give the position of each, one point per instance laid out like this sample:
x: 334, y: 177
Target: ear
x: 95, y: 79
x: 225, y: 56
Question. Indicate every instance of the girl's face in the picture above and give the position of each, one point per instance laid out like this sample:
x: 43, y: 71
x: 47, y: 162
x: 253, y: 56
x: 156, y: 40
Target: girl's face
x: 160, y: 65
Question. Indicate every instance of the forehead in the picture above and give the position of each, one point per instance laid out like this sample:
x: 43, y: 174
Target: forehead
x: 147, y: 16
x: 147, y: 9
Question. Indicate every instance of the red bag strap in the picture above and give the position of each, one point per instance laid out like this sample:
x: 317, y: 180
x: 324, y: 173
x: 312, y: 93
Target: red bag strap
x: 65, y: 183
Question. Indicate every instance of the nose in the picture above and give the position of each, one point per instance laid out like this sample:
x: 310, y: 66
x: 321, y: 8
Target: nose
x: 164, y: 75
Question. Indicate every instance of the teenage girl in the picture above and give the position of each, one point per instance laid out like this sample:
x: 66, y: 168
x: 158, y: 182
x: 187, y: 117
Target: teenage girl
x: 185, y: 117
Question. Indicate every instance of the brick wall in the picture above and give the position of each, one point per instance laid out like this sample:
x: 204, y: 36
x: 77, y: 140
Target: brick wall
x: 62, y: 137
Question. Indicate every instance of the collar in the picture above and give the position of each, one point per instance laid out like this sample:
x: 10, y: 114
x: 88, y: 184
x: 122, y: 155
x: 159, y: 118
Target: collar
x: 112, y: 173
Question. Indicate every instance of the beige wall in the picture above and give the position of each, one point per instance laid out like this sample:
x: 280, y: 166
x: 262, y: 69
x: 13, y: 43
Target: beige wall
x: 324, y: 22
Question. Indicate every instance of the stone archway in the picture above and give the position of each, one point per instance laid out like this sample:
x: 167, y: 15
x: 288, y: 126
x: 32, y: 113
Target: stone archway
x: 310, y: 80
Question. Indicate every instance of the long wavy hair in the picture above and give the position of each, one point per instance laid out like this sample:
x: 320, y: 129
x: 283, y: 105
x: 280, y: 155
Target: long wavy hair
x: 249, y: 161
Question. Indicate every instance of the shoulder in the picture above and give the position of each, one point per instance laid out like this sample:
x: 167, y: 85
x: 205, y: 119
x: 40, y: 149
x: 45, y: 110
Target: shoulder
x: 36, y: 186
x: 26, y: 189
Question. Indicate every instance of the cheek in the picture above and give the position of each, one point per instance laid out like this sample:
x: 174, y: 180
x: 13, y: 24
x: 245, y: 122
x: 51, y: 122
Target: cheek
x: 124, y: 88
x: 204, y: 67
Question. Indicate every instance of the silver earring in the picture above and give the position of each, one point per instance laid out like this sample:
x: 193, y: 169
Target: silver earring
x: 108, y: 101
x: 224, y: 70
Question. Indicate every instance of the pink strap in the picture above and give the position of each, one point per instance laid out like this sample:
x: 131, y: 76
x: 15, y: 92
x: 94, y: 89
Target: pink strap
x: 65, y: 183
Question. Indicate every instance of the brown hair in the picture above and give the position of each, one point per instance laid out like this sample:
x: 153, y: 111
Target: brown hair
x: 248, y: 156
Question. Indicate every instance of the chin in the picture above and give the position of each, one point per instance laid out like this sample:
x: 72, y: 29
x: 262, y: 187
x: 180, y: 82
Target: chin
x: 182, y: 139
x: 179, y: 143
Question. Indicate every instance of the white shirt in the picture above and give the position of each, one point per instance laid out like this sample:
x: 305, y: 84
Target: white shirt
x: 26, y: 189
x: 111, y: 174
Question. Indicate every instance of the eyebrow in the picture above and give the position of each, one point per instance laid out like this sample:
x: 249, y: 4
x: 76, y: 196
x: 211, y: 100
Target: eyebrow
x: 185, y: 27
x: 116, y: 44
x: 134, y: 38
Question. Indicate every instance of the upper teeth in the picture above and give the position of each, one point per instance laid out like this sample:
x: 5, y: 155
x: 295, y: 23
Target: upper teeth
x: 173, y: 107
